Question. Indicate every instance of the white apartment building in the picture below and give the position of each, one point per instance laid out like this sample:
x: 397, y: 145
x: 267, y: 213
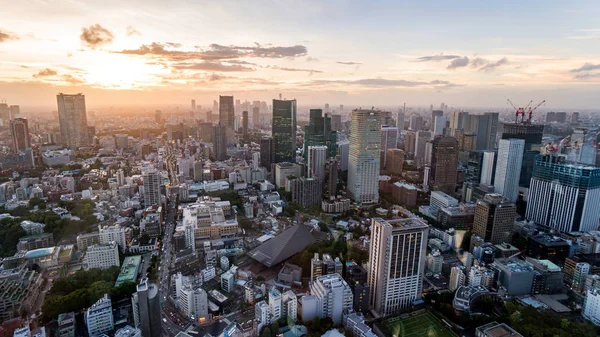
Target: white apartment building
x: 99, y: 317
x: 316, y: 162
x: 457, y: 278
x: 115, y: 233
x: 275, y: 304
x: 262, y: 314
x: 290, y: 305
x: 591, y: 306
x: 508, y: 166
x: 333, y: 295
x: 102, y: 256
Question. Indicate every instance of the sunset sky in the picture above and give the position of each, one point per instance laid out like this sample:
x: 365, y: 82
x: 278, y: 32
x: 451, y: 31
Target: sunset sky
x: 470, y: 53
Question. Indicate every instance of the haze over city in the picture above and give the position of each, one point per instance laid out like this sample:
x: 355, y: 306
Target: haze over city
x: 343, y: 52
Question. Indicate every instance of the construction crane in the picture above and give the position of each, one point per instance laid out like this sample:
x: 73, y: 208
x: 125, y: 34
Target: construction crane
x: 523, y: 111
x: 531, y: 111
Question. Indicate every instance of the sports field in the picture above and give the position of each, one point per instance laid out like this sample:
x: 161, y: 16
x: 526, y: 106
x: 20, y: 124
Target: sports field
x: 417, y: 324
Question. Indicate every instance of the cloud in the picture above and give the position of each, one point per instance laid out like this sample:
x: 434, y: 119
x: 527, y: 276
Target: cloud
x: 458, y: 63
x: 72, y: 79
x: 492, y: 66
x: 95, y: 36
x: 586, y: 67
x: 214, y: 52
x: 436, y: 58
x: 211, y: 66
x: 348, y: 63
x: 311, y: 71
x: 130, y: 31
x: 478, y: 62
x: 381, y: 82
x: 46, y: 72
x: 311, y: 59
x: 587, y: 76
x: 6, y: 36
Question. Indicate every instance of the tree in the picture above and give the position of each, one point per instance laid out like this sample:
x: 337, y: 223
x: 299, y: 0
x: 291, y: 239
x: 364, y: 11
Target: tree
x: 466, y: 242
x: 266, y: 332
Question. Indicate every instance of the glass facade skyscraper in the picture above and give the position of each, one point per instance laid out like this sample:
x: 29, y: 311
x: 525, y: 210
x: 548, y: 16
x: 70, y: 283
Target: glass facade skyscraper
x: 532, y: 134
x: 284, y: 131
x: 318, y: 132
x: 563, y: 195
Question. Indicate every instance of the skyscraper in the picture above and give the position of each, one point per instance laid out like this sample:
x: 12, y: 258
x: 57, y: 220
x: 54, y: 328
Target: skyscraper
x: 508, y: 167
x: 19, y: 130
x: 487, y: 167
x: 319, y: 132
x: 444, y: 164
x: 492, y: 130
x: 73, y: 119
x: 266, y: 152
x: 436, y: 113
x: 256, y: 115
x: 396, y: 263
x: 316, y: 162
x: 532, y: 134
x: 421, y: 138
x: 331, y: 177
x: 284, y: 131
x: 151, y: 188
x: 439, y: 124
x: 564, y: 196
x: 193, y: 105
x: 364, y: 159
x: 389, y: 135
x: 226, y: 112
x: 245, y: 124
x: 494, y: 218
x: 146, y: 309
x: 219, y: 142
x: 416, y: 122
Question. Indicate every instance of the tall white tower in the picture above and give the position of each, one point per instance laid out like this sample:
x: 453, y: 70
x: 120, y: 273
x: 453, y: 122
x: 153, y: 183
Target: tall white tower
x: 364, y: 159
x: 316, y: 161
x: 510, y: 159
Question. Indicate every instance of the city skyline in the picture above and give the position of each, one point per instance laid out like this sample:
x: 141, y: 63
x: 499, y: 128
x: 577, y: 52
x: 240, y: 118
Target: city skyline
x: 330, y: 52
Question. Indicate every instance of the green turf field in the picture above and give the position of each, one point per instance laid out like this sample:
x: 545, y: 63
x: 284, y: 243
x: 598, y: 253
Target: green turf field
x: 416, y: 324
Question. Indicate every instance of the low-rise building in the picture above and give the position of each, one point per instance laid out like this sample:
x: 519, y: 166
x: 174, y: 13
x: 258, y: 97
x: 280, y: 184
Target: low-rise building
x: 86, y: 240
x: 102, y: 256
x: 36, y: 241
x: 99, y: 317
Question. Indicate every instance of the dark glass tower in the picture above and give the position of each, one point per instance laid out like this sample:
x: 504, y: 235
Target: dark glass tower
x: 444, y: 162
x: 318, y: 132
x: 284, y: 131
x: 266, y: 152
x: 226, y: 112
x: 532, y: 134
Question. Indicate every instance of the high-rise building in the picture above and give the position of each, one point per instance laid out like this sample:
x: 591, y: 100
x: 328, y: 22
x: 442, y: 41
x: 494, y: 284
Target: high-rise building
x: 306, y: 191
x: 421, y: 138
x: 400, y: 122
x: 439, y: 124
x: 436, y: 113
x: 389, y: 135
x: 226, y: 112
x: 508, y: 166
x: 109, y: 234
x: 575, y: 118
x: 146, y: 309
x: 563, y: 195
x: 409, y: 142
x: 343, y: 153
x: 334, y: 296
x: 73, y: 119
x: 331, y: 177
x: 494, y: 218
x: 487, y: 168
x: 266, y: 152
x: 219, y: 142
x: 532, y: 134
x: 99, y: 317
x: 245, y: 124
x: 396, y: 263
x: 66, y: 325
x: 394, y: 162
x: 319, y: 132
x: 457, y: 277
x: 364, y: 159
x: 256, y: 116
x: 284, y: 131
x: 416, y: 123
x: 275, y: 304
x: 336, y: 122
x: 444, y: 164
x: 492, y: 130
x: 591, y: 306
x: 19, y: 130
x: 316, y: 162
x: 151, y: 188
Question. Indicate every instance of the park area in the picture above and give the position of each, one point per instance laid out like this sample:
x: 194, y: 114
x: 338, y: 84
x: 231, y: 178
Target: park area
x: 416, y: 324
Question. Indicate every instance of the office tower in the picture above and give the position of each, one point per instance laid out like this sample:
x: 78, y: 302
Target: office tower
x: 326, y: 108
x: 532, y: 134
x: 436, y: 113
x: 343, y: 153
x: 564, y: 196
x: 444, y: 163
x: 15, y: 111
x: 266, y: 152
x: 284, y: 131
x: 400, y: 122
x: 219, y: 142
x: 306, y: 191
x: 396, y: 263
x: 151, y: 188
x: 492, y: 130
x: 146, y: 309
x: 102, y: 256
x: 487, y: 167
x: 394, y: 162
x: 99, y: 317
x: 458, y: 121
x: 226, y: 112
x: 331, y: 177
x: 416, y: 122
x: 245, y: 124
x: 421, y: 138
x: 510, y: 158
x: 256, y: 116
x: 73, y: 119
x: 494, y: 218
x: 336, y: 122
x: 364, y: 159
x: 575, y: 117
x: 389, y: 135
x: 19, y: 130
x: 319, y: 132
x: 409, y: 142
x: 316, y: 162
x: 5, y: 113
x: 333, y: 295
x: 439, y: 124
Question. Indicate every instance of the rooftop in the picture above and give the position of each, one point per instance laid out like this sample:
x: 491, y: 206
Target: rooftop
x: 406, y: 223
x: 129, y: 269
x: 33, y: 254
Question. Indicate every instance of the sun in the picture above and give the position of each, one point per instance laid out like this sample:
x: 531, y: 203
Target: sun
x: 121, y: 72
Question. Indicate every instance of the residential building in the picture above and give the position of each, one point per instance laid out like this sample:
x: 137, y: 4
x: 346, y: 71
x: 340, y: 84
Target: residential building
x: 591, y: 306
x: 115, y: 233
x: 494, y: 218
x: 102, y: 256
x: 262, y: 314
x: 495, y: 329
x: 457, y: 278
x: 146, y: 309
x: 66, y: 325
x: 284, y: 131
x: 275, y: 304
x: 19, y: 131
x: 396, y: 263
x: 219, y: 142
x: 290, y: 305
x: 364, y: 159
x: 306, y: 191
x: 227, y: 281
x: 128, y: 331
x: 316, y: 162
x: 333, y: 295
x: 444, y: 164
x: 87, y: 239
x: 72, y: 117
x: 99, y: 318
x: 151, y: 188
x: 508, y: 166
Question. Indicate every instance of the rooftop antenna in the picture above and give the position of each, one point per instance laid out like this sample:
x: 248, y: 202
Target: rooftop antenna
x: 280, y: 97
